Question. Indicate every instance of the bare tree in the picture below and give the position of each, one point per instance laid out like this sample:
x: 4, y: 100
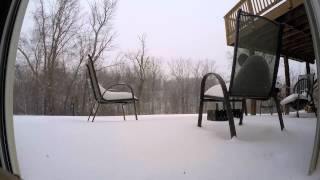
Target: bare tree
x: 155, y: 76
x: 59, y: 44
x: 141, y: 63
x: 55, y: 26
x: 96, y: 39
x: 101, y: 32
x: 51, y: 78
x: 180, y: 69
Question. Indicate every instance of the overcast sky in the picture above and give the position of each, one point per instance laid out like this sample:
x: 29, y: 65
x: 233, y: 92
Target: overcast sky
x: 175, y: 28
x: 178, y: 28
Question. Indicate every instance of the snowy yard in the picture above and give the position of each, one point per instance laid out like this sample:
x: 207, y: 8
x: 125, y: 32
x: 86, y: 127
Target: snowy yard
x: 163, y: 147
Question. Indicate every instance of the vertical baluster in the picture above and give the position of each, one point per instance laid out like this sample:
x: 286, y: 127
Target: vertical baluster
x: 232, y: 22
x: 255, y: 5
x: 275, y: 2
x: 250, y: 8
x: 270, y: 2
x: 260, y: 5
x: 244, y: 7
x: 263, y: 6
x: 226, y: 23
x: 266, y: 4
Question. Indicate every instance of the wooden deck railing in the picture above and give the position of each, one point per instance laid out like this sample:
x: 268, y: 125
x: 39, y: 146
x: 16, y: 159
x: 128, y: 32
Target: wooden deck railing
x: 257, y: 7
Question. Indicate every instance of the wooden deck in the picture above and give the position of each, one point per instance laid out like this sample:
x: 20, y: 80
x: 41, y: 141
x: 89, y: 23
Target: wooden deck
x: 297, y: 40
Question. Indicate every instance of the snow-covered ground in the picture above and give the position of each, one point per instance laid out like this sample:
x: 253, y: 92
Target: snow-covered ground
x: 163, y: 147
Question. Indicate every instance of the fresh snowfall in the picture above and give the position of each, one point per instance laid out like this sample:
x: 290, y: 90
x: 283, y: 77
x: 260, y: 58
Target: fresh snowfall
x: 163, y: 147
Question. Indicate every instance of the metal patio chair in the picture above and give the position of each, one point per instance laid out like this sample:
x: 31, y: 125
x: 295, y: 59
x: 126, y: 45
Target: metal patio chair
x: 255, y: 66
x: 302, y: 94
x: 109, y: 95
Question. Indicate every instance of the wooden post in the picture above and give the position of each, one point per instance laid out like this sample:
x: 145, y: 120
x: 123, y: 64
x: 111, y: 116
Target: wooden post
x: 253, y: 107
x: 287, y: 76
x: 307, y: 68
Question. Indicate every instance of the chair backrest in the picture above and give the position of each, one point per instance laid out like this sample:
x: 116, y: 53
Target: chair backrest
x: 304, y: 84
x: 256, y: 56
x: 93, y: 79
x: 307, y: 76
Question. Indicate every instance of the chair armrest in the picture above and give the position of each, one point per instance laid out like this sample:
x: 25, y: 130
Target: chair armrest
x: 221, y: 82
x: 120, y: 84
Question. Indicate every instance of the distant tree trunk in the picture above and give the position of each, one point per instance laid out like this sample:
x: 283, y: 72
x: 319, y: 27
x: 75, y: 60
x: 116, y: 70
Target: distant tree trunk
x: 84, y: 95
x: 141, y: 64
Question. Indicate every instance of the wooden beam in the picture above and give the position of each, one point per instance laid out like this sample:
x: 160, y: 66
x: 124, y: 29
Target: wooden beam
x: 287, y: 76
x: 288, y: 33
x: 283, y: 9
x: 295, y: 46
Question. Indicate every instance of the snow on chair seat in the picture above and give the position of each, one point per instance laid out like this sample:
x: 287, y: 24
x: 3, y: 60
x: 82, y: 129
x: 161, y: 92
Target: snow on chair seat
x: 293, y: 97
x: 112, y: 95
x: 302, y: 94
x: 216, y: 91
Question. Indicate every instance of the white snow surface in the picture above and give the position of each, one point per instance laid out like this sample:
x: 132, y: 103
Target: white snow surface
x: 163, y: 147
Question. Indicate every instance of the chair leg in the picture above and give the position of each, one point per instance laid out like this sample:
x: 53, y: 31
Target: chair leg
x: 245, y: 107
x: 230, y: 117
x: 94, y: 115
x: 260, y: 107
x: 243, y: 104
x: 135, y: 109
x: 123, y: 113
x: 91, y: 110
x: 298, y: 108
x: 200, y: 113
x: 313, y: 105
x: 241, y: 117
x: 279, y: 111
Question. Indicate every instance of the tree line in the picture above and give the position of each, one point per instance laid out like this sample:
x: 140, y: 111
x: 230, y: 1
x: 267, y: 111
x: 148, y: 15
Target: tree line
x: 51, y: 77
